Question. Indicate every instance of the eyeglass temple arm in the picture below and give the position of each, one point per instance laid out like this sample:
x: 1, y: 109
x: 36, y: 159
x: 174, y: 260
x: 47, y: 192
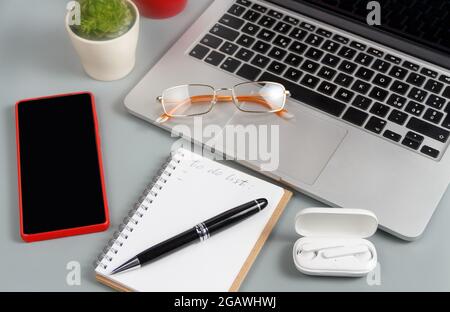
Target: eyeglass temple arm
x: 221, y: 98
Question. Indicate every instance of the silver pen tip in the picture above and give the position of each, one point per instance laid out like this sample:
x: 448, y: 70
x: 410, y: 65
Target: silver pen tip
x: 130, y: 264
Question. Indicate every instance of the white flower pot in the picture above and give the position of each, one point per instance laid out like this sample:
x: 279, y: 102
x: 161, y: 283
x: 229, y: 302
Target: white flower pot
x: 107, y: 60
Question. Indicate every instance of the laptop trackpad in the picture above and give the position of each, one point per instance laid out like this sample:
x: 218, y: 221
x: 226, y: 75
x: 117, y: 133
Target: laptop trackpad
x: 306, y: 144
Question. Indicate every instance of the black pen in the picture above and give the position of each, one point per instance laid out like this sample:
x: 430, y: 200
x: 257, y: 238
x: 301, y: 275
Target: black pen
x: 200, y: 232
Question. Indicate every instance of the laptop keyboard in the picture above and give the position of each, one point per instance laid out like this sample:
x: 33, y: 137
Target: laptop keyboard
x: 382, y: 93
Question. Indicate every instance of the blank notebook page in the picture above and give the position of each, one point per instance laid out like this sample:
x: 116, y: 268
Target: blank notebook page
x: 197, y: 189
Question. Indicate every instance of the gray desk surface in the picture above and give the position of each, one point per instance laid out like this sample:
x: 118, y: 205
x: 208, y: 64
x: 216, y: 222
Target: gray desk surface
x: 36, y: 59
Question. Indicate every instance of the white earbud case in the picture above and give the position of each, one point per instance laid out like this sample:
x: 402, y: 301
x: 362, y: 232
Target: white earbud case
x: 333, y: 242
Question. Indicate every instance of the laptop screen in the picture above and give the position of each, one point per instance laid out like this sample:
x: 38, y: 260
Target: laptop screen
x: 423, y: 22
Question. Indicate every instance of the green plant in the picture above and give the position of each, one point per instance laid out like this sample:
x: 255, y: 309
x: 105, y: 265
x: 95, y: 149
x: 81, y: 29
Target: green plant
x: 104, y: 19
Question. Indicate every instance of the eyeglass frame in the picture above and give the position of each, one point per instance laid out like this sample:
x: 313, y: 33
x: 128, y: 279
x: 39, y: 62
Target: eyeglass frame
x: 234, y: 99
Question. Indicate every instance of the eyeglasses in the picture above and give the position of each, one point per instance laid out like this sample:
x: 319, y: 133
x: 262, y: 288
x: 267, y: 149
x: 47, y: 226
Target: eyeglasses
x: 198, y: 99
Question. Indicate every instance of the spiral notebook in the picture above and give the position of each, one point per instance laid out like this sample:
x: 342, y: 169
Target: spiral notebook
x: 189, y: 189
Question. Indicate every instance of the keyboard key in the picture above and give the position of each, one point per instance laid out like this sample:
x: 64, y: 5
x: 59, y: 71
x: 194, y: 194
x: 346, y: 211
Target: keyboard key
x: 398, y: 72
x: 229, y: 48
x: 259, y: 8
x: 266, y: 35
x: 231, y: 21
x: 277, y: 53
x: 361, y: 86
x: 214, y: 58
x: 260, y: 61
x: 293, y: 60
x: 267, y: 21
x: 396, y: 101
x: 276, y: 67
x: 224, y: 32
x: 282, y: 27
x: 314, y: 54
x: 309, y: 97
x: 348, y: 67
x: 330, y: 60
x: 415, y: 137
x: 435, y: 101
x: 358, y: 45
x: 340, y: 39
x: 275, y: 14
x: 415, y: 79
x: 310, y: 81
x: 381, y: 66
x: 347, y: 52
x: 230, y: 65
x: 428, y: 129
x: 293, y: 74
x: 245, y: 41
x: 261, y: 47
x: 246, y: 3
x: 376, y: 125
x: 330, y: 46
x: 380, y: 110
x: 298, y: 47
x: 298, y: 33
x: 375, y: 52
x: 429, y: 151
x: 417, y: 94
x: 310, y: 66
x: 211, y: 41
x: 291, y: 20
x: 244, y: 54
x: 355, y: 116
x: 378, y: 94
x: 307, y: 26
x: 282, y: 41
x: 411, y: 143
x: 251, y: 16
x: 399, y: 87
x: 433, y: 116
x: 444, y: 78
x: 199, y: 51
x: 344, y: 95
x: 434, y: 86
x: 327, y: 87
x: 382, y: 80
x: 391, y: 135
x: 326, y: 72
x: 248, y: 72
x: 324, y: 32
x: 236, y: 10
x: 314, y: 40
x: 398, y: 117
x: 446, y: 122
x: 446, y: 93
x: 414, y: 108
x: 393, y: 59
x: 410, y: 66
x: 365, y: 73
x: 364, y: 59
x: 343, y: 80
x: 250, y: 29
x: 362, y: 102
x: 428, y: 72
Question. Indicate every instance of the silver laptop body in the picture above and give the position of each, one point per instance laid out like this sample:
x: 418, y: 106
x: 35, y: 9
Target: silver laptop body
x: 321, y: 155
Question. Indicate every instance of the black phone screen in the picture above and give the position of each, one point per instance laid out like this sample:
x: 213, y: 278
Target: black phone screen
x: 60, y: 164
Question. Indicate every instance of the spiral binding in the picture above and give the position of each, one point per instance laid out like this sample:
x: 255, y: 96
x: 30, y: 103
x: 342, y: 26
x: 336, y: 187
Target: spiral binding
x: 138, y: 211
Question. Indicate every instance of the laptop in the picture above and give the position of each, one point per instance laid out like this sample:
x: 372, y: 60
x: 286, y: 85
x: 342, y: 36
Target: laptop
x: 371, y: 104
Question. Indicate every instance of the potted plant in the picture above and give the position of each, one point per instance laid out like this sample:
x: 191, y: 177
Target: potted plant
x: 105, y: 37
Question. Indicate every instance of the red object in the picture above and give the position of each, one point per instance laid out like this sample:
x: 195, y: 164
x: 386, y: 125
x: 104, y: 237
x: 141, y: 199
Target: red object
x: 72, y: 231
x: 160, y: 8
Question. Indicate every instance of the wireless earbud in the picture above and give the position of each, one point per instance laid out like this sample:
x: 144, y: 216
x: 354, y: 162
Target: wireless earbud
x: 345, y: 251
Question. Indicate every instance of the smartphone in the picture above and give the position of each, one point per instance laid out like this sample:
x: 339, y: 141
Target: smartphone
x: 60, y: 171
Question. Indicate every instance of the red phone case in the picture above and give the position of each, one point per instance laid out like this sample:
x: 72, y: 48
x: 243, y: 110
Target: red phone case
x: 72, y: 231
